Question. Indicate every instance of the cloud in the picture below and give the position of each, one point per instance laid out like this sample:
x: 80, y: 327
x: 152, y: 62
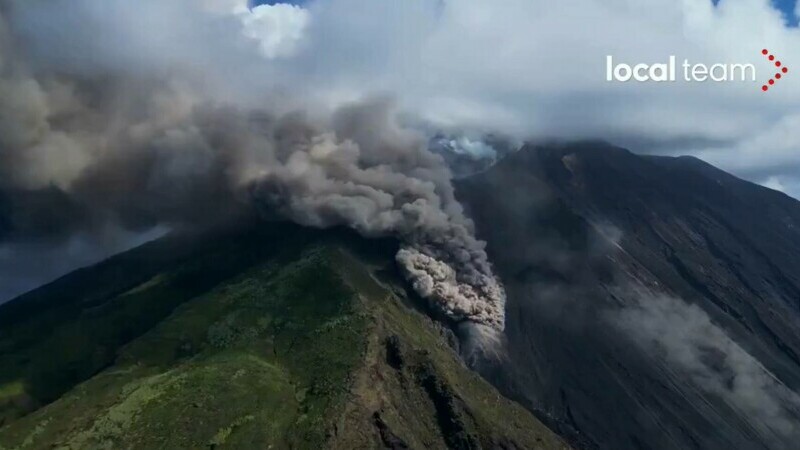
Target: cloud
x: 278, y: 28
x: 773, y: 154
x: 523, y: 68
x: 789, y: 185
x: 534, y: 68
x: 774, y: 183
x: 527, y: 68
x: 683, y: 336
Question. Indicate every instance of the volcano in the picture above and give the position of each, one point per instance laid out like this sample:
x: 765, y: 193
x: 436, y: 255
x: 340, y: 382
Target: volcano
x: 652, y: 302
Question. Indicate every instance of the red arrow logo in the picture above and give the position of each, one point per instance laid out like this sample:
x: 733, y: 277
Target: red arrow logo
x: 778, y: 75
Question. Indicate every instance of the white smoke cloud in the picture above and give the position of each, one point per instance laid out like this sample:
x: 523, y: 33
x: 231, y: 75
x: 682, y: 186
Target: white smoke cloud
x: 278, y: 28
x: 774, y: 183
x: 465, y: 146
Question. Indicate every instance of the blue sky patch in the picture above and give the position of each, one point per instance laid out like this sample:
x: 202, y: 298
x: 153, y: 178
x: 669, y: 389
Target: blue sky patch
x: 272, y: 2
x: 785, y: 6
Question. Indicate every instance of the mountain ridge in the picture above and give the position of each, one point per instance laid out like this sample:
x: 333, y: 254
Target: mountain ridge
x: 598, y: 247
x: 305, y: 339
x: 652, y: 303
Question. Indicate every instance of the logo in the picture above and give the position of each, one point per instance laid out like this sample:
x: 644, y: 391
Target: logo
x: 778, y: 75
x: 668, y: 71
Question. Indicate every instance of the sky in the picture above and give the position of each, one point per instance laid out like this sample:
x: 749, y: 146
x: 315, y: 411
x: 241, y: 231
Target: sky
x: 535, y: 69
x: 525, y: 69
x: 530, y: 69
x: 787, y: 7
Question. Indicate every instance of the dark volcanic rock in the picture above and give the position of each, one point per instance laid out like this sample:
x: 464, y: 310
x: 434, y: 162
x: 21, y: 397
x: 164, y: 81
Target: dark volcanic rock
x: 653, y: 301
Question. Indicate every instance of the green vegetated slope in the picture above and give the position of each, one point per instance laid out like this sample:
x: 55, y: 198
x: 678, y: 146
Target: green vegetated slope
x: 271, y: 340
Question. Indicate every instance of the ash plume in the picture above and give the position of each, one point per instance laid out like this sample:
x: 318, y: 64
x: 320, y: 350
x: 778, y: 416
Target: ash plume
x: 371, y: 175
x: 103, y: 144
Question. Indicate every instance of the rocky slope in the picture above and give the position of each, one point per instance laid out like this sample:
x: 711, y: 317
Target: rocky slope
x: 654, y: 302
x: 265, y: 337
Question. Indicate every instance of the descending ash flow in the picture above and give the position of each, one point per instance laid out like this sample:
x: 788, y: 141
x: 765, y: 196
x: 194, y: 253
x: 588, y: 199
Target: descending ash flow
x: 371, y: 175
x: 81, y: 151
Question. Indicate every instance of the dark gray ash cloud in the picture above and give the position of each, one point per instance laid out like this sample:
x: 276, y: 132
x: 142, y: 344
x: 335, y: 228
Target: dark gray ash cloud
x: 130, y: 142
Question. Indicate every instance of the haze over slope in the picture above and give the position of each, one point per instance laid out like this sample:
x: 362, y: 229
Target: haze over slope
x: 653, y: 301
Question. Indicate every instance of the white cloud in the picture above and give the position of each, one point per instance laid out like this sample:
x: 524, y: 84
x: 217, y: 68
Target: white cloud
x: 278, y: 28
x: 535, y: 68
x: 529, y: 68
